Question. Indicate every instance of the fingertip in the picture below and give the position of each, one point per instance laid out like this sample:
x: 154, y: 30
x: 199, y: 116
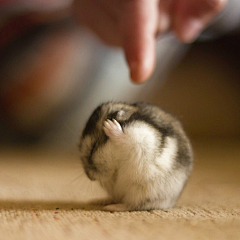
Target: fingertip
x: 190, y: 31
x: 140, y: 57
x: 140, y: 71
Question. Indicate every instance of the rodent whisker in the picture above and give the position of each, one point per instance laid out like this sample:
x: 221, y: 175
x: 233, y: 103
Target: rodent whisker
x: 77, y: 178
x: 88, y: 188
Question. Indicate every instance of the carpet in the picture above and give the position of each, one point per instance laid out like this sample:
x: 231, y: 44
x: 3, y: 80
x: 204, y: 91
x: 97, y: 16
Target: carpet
x: 44, y: 195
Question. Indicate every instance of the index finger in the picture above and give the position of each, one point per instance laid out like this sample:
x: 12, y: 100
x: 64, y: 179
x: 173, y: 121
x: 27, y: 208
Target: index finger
x: 138, y: 28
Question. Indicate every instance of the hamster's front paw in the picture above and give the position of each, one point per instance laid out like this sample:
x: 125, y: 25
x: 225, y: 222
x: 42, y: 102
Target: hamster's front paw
x: 113, y: 129
x: 101, y: 202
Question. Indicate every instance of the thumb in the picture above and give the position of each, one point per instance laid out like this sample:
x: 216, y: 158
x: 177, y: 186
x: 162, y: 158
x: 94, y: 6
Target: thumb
x: 191, y: 17
x: 138, y: 27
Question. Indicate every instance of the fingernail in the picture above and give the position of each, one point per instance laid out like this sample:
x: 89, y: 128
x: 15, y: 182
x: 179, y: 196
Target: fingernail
x: 134, y: 70
x: 190, y: 30
x: 138, y: 72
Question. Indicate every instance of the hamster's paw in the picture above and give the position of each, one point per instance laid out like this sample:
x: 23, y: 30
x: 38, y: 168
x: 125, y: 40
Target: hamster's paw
x: 120, y: 207
x: 101, y: 202
x: 113, y: 129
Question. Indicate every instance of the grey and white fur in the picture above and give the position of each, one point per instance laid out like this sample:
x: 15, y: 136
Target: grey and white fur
x: 139, y: 154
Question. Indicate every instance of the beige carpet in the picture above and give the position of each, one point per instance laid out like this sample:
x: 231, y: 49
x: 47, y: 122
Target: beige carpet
x: 42, y: 196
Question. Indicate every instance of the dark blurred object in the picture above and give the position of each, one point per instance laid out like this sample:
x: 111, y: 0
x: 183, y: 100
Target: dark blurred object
x: 204, y: 89
x: 42, y: 57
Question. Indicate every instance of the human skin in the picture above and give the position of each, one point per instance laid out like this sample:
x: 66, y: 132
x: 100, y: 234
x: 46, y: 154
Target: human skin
x: 134, y: 25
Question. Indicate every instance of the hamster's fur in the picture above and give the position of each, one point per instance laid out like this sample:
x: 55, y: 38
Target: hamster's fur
x: 139, y: 154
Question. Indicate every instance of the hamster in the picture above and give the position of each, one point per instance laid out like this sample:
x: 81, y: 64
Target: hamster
x: 139, y: 154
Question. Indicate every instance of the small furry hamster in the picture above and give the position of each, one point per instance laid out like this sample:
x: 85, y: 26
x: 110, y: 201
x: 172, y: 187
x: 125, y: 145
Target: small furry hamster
x: 139, y: 154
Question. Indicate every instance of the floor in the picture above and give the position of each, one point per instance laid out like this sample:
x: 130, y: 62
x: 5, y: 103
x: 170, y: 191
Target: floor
x: 43, y: 195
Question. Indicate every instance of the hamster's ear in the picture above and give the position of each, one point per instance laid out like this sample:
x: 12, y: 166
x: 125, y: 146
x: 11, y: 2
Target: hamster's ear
x: 124, y: 114
x: 121, y: 115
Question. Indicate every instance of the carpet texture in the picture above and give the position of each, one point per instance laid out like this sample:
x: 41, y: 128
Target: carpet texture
x: 43, y: 195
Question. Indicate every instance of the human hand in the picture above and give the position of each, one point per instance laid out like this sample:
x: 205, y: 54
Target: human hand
x: 134, y: 25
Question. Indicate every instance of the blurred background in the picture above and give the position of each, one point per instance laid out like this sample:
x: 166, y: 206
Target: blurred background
x: 54, y: 72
